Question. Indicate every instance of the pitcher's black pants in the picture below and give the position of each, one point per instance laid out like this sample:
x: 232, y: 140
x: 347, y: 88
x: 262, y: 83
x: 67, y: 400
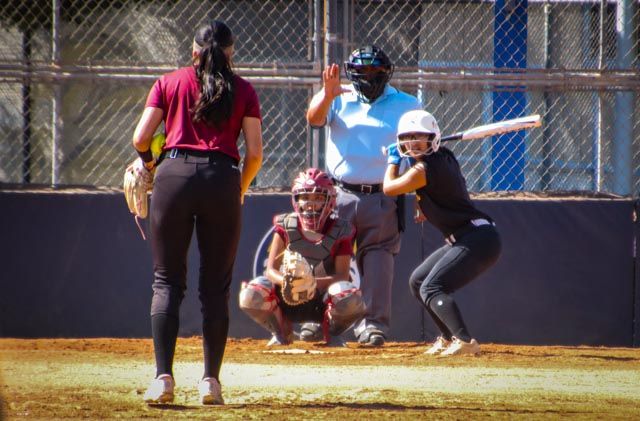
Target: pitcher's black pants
x: 201, y: 190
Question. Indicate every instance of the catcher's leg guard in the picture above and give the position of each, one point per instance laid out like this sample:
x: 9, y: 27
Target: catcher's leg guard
x: 258, y: 299
x: 344, y: 306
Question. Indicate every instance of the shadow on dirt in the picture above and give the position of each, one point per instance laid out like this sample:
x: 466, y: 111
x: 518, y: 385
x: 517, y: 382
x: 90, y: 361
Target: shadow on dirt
x: 390, y: 407
x: 547, y: 355
x: 172, y: 407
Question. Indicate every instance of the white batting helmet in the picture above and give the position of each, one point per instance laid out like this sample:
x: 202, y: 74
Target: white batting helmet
x: 417, y: 122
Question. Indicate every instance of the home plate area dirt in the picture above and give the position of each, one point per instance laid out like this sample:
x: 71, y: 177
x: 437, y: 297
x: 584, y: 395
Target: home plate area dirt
x: 105, y: 378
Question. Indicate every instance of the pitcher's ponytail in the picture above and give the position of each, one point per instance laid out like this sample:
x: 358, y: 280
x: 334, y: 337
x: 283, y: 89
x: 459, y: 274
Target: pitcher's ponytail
x: 213, y: 69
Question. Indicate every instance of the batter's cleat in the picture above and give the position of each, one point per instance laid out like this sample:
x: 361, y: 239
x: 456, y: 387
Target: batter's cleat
x: 438, y: 346
x: 311, y: 332
x: 460, y: 347
x: 373, y: 338
x: 160, y: 390
x: 336, y: 342
x: 279, y: 340
x: 210, y: 392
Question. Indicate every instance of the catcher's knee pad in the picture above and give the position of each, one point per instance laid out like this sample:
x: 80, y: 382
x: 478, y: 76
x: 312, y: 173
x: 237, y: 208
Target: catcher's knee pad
x: 344, y: 306
x: 258, y: 300
x: 259, y: 294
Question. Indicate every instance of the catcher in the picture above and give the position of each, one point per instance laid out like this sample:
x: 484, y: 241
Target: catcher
x: 307, y: 275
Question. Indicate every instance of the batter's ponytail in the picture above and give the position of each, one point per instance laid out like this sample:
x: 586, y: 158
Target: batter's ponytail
x: 213, y: 69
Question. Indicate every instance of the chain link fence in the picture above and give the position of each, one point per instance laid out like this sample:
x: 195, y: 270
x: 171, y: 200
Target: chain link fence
x: 74, y: 75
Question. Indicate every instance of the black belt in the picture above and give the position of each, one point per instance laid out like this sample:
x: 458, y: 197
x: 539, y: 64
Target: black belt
x: 466, y: 229
x: 359, y: 188
x: 205, y: 156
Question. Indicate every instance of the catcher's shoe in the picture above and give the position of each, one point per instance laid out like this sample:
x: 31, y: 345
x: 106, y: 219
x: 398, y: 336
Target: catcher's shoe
x: 311, y: 332
x: 460, y: 347
x: 371, y: 337
x: 279, y: 340
x: 160, y: 390
x: 210, y: 392
x: 438, y: 346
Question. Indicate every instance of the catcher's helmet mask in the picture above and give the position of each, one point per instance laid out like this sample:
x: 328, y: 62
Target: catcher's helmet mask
x: 313, y: 211
x: 369, y: 70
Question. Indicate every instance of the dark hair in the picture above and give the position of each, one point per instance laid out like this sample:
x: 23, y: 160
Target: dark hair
x: 213, y: 70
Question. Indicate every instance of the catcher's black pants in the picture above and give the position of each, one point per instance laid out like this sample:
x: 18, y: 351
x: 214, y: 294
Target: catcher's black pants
x: 448, y: 269
x: 200, y: 190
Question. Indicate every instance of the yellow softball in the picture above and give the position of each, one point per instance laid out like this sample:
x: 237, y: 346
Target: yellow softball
x: 156, y: 144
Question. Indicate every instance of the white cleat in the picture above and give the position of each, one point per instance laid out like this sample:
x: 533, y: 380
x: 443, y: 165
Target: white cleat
x: 210, y: 392
x: 279, y: 340
x: 160, y: 390
x: 459, y: 347
x: 438, y: 346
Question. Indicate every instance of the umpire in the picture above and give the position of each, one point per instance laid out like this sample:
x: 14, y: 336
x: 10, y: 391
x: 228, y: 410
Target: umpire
x: 362, y: 118
x: 199, y: 184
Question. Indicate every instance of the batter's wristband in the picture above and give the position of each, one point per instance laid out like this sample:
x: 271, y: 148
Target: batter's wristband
x: 146, y: 156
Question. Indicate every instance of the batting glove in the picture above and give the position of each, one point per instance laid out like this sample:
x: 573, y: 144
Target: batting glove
x: 393, y: 155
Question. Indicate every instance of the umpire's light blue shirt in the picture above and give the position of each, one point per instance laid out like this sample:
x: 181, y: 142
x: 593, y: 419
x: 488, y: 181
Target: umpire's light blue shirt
x: 358, y: 131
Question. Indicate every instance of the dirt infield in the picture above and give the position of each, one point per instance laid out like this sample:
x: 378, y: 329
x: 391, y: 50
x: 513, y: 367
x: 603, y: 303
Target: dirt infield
x: 105, y: 379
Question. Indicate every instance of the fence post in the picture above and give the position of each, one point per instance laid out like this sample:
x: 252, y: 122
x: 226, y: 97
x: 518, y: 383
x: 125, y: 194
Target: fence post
x: 27, y: 39
x: 547, y: 162
x: 597, y: 143
x: 330, y: 56
x: 317, y: 152
x: 56, y: 101
x: 331, y: 36
x: 624, y: 102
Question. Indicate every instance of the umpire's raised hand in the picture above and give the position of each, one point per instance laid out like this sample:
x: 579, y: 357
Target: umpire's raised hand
x: 331, y: 82
x: 321, y: 101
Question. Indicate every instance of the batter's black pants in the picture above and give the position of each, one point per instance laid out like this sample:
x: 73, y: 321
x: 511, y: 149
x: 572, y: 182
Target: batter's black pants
x: 448, y: 269
x: 200, y: 190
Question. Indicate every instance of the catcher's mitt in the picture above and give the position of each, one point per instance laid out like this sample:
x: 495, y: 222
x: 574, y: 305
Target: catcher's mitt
x: 137, y: 182
x: 299, y: 284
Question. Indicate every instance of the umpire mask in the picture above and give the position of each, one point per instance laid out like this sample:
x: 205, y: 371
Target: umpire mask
x: 369, y: 69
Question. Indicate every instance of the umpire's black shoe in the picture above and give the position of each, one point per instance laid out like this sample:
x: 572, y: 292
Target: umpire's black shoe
x: 311, y: 332
x: 373, y: 338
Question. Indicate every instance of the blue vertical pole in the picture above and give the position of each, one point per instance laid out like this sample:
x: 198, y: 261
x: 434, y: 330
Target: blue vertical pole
x: 509, y: 52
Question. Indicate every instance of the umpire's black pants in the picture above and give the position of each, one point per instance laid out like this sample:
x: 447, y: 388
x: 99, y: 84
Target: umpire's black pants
x: 201, y: 190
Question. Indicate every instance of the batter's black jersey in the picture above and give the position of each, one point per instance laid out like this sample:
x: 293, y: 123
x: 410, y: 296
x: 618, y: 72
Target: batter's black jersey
x: 445, y: 200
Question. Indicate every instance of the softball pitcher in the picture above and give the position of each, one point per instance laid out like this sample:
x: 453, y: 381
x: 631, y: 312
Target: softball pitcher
x: 200, y: 186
